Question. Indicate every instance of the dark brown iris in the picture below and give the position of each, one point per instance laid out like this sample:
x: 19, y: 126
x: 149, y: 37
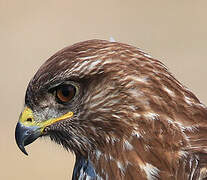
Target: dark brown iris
x: 65, y: 93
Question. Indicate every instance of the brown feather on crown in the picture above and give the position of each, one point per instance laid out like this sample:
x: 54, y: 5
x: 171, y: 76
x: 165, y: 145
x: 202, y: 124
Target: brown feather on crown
x: 132, y: 119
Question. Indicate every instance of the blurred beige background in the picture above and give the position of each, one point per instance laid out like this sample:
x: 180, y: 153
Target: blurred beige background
x: 174, y: 31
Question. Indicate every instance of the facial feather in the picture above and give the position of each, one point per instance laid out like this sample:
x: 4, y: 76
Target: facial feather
x: 132, y: 118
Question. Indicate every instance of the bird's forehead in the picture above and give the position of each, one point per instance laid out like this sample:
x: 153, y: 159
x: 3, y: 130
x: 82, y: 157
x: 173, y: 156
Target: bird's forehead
x: 86, y: 59
x: 77, y: 61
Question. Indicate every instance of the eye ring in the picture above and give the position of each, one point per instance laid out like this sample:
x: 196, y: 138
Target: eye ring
x: 65, y: 93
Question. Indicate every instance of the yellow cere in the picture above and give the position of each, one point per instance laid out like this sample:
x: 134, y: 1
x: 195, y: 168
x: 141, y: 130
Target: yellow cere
x: 28, y: 114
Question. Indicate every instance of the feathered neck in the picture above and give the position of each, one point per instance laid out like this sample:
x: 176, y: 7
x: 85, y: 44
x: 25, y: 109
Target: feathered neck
x: 134, y: 157
x: 123, y: 159
x: 83, y: 169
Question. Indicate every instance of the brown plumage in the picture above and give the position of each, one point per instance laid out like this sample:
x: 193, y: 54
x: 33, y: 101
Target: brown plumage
x: 131, y: 118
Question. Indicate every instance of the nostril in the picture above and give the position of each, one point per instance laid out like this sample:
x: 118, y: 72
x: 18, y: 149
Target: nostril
x: 29, y: 119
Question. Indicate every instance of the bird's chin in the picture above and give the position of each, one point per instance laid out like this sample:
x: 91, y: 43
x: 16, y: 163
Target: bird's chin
x: 69, y: 143
x: 60, y: 138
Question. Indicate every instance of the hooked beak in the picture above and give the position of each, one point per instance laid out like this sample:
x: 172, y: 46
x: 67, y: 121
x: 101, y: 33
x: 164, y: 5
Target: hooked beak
x: 28, y: 130
x: 25, y: 135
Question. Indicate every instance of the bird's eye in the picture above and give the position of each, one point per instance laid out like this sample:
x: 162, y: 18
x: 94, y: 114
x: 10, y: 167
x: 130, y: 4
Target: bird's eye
x: 65, y: 93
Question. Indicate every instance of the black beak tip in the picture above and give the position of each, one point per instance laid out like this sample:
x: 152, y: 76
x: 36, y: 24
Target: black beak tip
x: 25, y: 135
x: 22, y: 148
x: 20, y: 137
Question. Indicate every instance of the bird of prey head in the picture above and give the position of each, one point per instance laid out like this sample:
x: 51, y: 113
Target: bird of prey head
x: 119, y: 111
